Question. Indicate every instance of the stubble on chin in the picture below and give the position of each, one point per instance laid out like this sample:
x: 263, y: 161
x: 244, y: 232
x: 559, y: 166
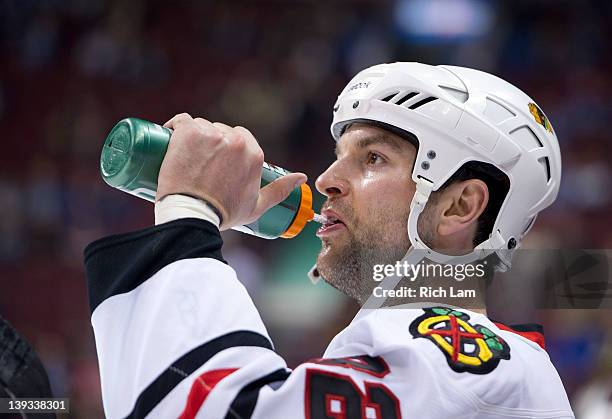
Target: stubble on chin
x: 340, y: 266
x: 348, y: 265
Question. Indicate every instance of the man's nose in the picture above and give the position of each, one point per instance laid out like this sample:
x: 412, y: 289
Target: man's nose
x: 331, y: 182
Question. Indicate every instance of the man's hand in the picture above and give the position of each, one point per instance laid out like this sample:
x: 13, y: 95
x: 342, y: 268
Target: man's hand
x: 221, y: 165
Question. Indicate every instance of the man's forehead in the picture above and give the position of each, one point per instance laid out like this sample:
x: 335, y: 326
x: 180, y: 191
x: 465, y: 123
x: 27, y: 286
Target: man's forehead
x: 362, y: 135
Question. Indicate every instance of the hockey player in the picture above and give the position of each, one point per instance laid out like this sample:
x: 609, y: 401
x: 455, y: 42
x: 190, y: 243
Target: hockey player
x: 438, y: 161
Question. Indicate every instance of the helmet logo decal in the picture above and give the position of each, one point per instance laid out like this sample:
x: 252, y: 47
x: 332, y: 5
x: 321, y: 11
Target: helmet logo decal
x: 360, y: 85
x: 467, y: 347
x: 539, y: 117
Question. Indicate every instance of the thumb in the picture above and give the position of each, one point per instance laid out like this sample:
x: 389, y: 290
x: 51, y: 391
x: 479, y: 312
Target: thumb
x: 277, y: 191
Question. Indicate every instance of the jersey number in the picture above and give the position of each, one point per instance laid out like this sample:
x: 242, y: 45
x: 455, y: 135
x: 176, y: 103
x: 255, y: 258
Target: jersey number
x: 336, y: 396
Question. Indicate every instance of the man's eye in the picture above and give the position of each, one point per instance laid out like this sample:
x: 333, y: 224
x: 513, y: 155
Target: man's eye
x: 374, y: 158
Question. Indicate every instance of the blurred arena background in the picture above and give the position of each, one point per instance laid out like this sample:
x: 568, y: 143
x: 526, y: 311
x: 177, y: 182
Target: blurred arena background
x: 70, y: 69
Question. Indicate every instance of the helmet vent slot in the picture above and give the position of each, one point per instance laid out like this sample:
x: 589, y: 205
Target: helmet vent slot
x: 546, y: 165
x: 388, y: 98
x: 526, y: 138
x: 422, y: 102
x: 407, y: 97
x: 528, y: 225
x: 460, y: 95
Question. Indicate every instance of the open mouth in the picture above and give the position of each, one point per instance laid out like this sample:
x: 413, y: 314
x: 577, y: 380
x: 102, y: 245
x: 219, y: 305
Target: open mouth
x: 331, y: 224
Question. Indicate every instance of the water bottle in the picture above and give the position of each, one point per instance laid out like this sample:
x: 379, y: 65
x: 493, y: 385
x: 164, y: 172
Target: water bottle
x: 132, y: 156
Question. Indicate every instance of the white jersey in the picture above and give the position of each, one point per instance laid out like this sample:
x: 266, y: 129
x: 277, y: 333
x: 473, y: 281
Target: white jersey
x: 177, y: 335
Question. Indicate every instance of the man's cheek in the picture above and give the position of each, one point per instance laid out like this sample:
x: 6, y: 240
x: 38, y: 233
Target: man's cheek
x: 389, y: 198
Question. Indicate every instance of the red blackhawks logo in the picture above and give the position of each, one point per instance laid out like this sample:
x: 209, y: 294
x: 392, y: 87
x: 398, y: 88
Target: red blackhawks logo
x: 468, y: 347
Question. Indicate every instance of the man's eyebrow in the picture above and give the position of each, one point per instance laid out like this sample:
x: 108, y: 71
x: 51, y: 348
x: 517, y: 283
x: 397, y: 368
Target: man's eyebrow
x: 377, y: 139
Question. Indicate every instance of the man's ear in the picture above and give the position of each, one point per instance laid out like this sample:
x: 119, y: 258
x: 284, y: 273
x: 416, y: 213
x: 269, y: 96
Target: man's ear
x: 460, y: 206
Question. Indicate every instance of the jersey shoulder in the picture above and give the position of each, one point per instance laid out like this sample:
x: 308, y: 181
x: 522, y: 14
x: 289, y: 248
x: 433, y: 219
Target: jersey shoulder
x: 489, y: 365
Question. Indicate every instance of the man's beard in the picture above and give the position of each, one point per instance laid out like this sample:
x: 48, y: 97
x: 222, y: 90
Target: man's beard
x: 349, y: 266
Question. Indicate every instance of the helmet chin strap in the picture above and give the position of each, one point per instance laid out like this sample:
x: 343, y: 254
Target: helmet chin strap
x: 419, y: 250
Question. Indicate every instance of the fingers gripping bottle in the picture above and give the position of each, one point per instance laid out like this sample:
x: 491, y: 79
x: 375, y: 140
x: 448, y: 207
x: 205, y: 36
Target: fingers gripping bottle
x: 132, y: 156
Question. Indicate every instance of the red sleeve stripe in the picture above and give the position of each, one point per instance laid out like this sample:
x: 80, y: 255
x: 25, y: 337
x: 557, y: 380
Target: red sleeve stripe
x: 200, y: 389
x: 533, y: 336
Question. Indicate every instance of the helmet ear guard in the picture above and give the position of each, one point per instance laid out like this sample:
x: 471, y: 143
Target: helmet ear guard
x: 484, y: 249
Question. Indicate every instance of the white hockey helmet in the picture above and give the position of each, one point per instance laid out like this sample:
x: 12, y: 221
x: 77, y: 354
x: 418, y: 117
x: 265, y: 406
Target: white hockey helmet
x: 459, y: 115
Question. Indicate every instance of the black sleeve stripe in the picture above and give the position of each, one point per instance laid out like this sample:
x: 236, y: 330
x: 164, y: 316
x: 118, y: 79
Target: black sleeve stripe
x: 244, y: 404
x: 118, y: 264
x: 188, y: 363
x: 528, y: 327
